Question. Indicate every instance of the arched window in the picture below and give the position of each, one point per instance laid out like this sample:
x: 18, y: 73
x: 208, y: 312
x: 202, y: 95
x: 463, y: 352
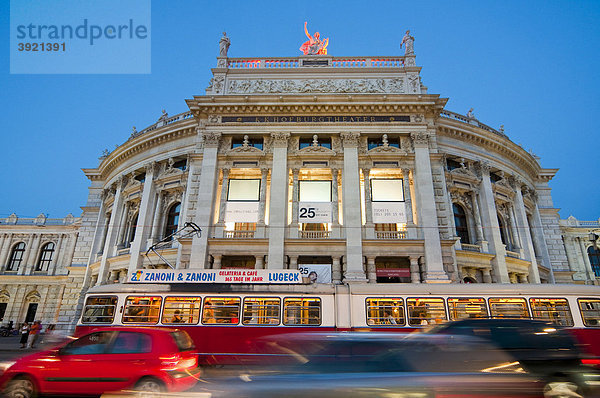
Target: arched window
x: 132, y: 227
x: 16, y: 257
x: 594, y: 255
x: 172, y: 219
x: 460, y: 221
x: 45, y: 257
x: 504, y: 233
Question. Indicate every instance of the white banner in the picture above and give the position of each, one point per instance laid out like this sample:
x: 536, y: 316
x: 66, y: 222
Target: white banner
x: 314, y: 212
x: 389, y: 212
x: 316, y: 273
x: 283, y: 276
x: 241, y: 212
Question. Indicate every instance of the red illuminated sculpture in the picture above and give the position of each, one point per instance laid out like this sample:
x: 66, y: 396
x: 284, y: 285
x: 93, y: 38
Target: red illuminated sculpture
x: 314, y: 45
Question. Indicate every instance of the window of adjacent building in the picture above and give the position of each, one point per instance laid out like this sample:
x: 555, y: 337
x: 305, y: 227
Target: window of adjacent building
x: 467, y: 307
x: 594, y: 256
x: 374, y: 142
x: 495, y: 177
x: 99, y: 309
x: 387, y: 190
x: 142, y: 309
x: 261, y: 311
x: 590, y: 311
x: 302, y: 311
x: 306, y: 142
x: 452, y: 164
x: 552, y: 310
x: 172, y: 220
x: 508, y: 308
x: 180, y: 164
x: 460, y: 222
x: 314, y: 191
x: 251, y: 141
x: 16, y: 257
x: 45, y: 257
x: 141, y: 177
x: 426, y: 311
x: 385, y: 312
x: 222, y: 310
x: 243, y: 190
x: 182, y: 310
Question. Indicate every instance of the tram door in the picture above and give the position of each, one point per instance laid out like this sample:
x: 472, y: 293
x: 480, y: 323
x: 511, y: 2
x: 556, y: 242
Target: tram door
x: 31, y: 310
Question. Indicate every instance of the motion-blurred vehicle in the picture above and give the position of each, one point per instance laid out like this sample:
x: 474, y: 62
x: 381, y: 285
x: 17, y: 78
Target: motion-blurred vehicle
x: 542, y: 348
x: 381, y: 365
x: 107, y: 359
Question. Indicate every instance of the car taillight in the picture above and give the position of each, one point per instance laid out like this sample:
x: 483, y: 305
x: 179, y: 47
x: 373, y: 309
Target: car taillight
x: 177, y: 363
x: 591, y: 362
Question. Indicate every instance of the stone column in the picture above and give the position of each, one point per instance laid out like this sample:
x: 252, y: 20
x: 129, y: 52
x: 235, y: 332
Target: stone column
x: 489, y: 218
x: 156, y: 235
x: 411, y: 229
x: 206, y: 199
x: 352, y: 217
x: 142, y: 230
x: 369, y: 225
x: 487, y: 275
x: 293, y: 262
x: 259, y: 262
x: 523, y: 226
x: 522, y: 278
x: 278, y: 202
x: 122, y: 227
x: 427, y: 209
x: 335, y: 217
x: 371, y: 270
x: 516, y: 246
x: 586, y: 260
x: 541, y: 241
x: 415, y: 275
x: 260, y: 228
x: 220, y: 227
x: 478, y: 228
x: 295, y: 199
x: 6, y: 251
x: 336, y: 270
x: 111, y: 238
x: 217, y: 261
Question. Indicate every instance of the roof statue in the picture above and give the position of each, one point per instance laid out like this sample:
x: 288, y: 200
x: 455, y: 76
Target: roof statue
x: 314, y: 45
x: 470, y: 114
x: 224, y: 44
x: 408, y: 42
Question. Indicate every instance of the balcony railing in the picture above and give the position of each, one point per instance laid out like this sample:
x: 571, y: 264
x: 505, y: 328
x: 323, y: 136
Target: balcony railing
x: 239, y: 234
x: 334, y: 62
x: 469, y: 120
x: 390, y: 234
x: 512, y: 254
x: 315, y: 234
x: 470, y: 248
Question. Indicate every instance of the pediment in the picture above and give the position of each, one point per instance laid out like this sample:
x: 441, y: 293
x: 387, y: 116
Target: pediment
x: 245, y: 150
x: 387, y: 149
x: 316, y: 150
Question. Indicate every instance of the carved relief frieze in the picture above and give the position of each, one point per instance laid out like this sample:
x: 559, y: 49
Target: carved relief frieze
x: 214, y: 119
x: 293, y: 145
x: 263, y: 86
x: 462, y: 198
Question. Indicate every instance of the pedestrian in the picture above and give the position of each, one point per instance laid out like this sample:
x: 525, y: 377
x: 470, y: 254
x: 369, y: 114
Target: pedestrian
x: 34, y: 333
x: 24, y: 334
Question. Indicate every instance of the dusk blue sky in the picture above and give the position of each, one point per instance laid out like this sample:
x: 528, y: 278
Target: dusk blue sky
x: 532, y: 66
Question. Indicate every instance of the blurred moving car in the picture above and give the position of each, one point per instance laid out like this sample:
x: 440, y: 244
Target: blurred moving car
x: 107, y: 359
x: 542, y: 348
x: 380, y: 365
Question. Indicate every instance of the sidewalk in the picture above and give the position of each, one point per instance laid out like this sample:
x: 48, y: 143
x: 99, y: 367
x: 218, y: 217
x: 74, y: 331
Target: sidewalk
x: 11, y: 343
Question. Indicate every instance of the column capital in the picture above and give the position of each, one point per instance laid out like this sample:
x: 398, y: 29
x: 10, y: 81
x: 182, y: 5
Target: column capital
x: 350, y: 139
x: 420, y: 139
x: 211, y: 139
x: 280, y: 139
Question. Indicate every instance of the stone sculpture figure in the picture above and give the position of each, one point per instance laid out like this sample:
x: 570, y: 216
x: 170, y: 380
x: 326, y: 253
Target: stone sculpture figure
x: 314, y: 45
x: 408, y: 42
x: 224, y: 44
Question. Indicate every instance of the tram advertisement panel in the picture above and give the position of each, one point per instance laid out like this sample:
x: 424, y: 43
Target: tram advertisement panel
x: 283, y: 276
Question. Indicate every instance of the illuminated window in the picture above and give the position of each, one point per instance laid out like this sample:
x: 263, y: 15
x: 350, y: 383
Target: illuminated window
x: 261, y: 311
x: 223, y: 310
x: 467, y: 308
x: 590, y: 311
x: 425, y: 311
x: 243, y: 190
x: 182, y: 310
x: 508, y: 308
x: 385, y: 312
x: 99, y: 309
x: 387, y: 190
x: 142, y: 309
x: 552, y: 310
x: 302, y: 311
x: 16, y: 257
x: 45, y: 257
x: 314, y: 191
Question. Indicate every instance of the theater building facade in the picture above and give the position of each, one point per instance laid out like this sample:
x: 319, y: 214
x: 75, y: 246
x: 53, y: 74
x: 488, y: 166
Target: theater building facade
x: 348, y: 166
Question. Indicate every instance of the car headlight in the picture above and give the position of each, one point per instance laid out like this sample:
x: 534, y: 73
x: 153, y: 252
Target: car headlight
x: 4, y: 365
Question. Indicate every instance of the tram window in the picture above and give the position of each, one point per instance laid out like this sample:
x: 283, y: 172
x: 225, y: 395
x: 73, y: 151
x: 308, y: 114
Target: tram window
x: 99, y: 309
x: 590, y: 311
x: 182, y: 310
x: 142, y: 309
x: 508, y: 308
x: 385, y: 312
x: 425, y: 311
x: 467, y: 307
x: 302, y: 311
x: 261, y: 311
x: 552, y: 310
x: 225, y: 310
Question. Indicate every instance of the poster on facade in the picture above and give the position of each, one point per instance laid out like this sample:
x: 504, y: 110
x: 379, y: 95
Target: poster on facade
x: 241, y: 212
x: 314, y: 212
x: 316, y: 273
x: 283, y: 276
x: 388, y: 212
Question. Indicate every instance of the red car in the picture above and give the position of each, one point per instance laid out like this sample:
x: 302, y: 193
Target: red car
x: 107, y: 359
